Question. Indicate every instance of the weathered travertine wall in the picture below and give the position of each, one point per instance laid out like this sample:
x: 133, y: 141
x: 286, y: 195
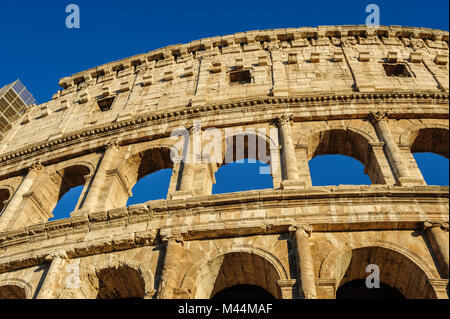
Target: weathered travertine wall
x: 377, y: 95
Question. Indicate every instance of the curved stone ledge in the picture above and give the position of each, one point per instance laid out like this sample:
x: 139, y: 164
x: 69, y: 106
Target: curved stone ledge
x: 293, y: 103
x: 236, y: 214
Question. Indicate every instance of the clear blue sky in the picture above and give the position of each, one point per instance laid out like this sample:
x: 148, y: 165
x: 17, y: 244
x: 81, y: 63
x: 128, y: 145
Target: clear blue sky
x: 36, y: 47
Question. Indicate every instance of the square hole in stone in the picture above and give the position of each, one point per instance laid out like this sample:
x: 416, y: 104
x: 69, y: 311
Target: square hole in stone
x: 240, y: 77
x: 398, y: 70
x: 105, y: 104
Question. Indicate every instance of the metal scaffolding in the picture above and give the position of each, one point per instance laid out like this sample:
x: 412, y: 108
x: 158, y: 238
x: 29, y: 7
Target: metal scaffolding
x: 14, y: 100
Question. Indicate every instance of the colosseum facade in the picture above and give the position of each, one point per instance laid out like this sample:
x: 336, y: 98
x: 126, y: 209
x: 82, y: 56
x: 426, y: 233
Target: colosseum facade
x: 377, y: 95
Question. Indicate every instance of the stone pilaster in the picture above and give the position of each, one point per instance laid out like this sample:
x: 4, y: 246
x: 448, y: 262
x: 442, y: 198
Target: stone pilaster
x: 191, y: 159
x: 95, y: 191
x: 174, y: 249
x: 50, y: 285
x: 301, y: 152
x: 387, y: 176
x: 326, y: 288
x: 307, y: 284
x: 10, y: 212
x: 398, y: 163
x: 286, y: 286
x: 436, y: 235
x: 289, y: 161
x: 439, y: 287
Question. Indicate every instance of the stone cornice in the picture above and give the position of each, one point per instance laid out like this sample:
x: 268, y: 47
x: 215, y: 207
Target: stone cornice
x: 183, y: 113
x: 152, y: 212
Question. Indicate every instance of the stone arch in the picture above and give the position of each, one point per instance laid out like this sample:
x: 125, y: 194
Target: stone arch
x: 426, y: 138
x: 411, y: 280
x: 48, y: 188
x: 15, y: 289
x: 245, y: 143
x: 139, y: 163
x: 77, y: 162
x: 346, y: 141
x: 53, y: 185
x: 140, y: 283
x: 433, y: 139
x: 229, y: 141
x: 205, y: 278
x: 5, y: 196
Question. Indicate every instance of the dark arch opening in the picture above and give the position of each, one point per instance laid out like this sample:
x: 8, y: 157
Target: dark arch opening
x: 337, y: 169
x: 434, y: 168
x: 4, y: 196
x: 390, y: 267
x: 151, y: 187
x: 123, y: 282
x: 12, y: 292
x: 357, y: 289
x: 240, y: 270
x: 243, y: 292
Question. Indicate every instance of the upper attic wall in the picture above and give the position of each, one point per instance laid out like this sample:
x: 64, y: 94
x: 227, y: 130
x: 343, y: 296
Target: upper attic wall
x: 280, y: 63
x: 320, y: 36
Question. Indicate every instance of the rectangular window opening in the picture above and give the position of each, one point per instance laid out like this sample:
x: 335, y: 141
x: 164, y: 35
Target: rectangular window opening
x: 396, y: 70
x: 105, y: 104
x: 240, y: 77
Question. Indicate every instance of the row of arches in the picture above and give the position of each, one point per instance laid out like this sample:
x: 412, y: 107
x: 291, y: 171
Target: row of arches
x: 251, y: 274
x: 335, y: 156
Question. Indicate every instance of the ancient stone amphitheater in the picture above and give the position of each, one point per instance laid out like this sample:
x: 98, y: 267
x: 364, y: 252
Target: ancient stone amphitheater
x: 375, y: 94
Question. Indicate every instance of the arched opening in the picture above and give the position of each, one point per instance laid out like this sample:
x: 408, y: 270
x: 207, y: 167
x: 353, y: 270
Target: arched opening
x: 64, y: 193
x: 245, y: 166
x: 67, y: 203
x: 357, y: 289
x: 151, y: 187
x: 243, y: 292
x: 338, y: 169
x: 242, y: 176
x: 4, y: 197
x: 391, y: 268
x: 434, y: 168
x: 434, y: 140
x: 241, y: 272
x: 149, y: 172
x: 430, y: 150
x: 120, y: 283
x: 39, y: 204
x: 12, y: 292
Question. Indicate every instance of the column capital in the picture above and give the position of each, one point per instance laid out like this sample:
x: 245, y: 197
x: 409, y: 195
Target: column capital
x: 112, y: 145
x: 282, y: 283
x: 284, y: 119
x: 378, y: 116
x: 432, y: 224
x: 59, y: 254
x: 301, y: 229
x: 181, y: 293
x: 195, y: 127
x: 178, y: 238
x: 36, y: 167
